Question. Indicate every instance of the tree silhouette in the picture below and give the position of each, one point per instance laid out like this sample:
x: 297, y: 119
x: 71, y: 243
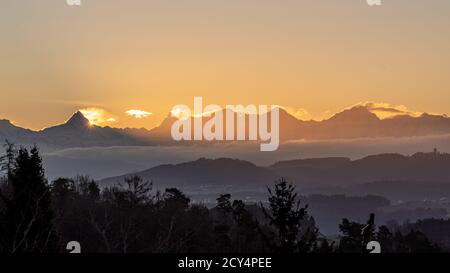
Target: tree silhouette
x: 36, y: 216
x: 28, y: 213
x: 224, y: 203
x: 386, y: 239
x: 244, y: 233
x: 417, y: 242
x: 285, y: 215
x: 223, y: 223
x: 7, y: 161
x: 356, y: 236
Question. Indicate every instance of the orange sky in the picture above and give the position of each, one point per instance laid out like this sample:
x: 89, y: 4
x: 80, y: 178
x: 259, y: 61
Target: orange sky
x: 314, y: 57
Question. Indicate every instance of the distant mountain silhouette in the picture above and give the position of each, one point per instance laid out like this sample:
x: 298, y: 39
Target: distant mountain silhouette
x: 357, y: 122
x: 402, y: 190
x: 343, y: 171
x: 77, y: 121
x: 14, y: 133
x: 223, y: 172
x: 306, y: 173
x: 78, y: 132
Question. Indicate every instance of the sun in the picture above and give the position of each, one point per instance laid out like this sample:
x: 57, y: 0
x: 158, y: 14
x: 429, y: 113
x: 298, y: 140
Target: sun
x: 96, y: 116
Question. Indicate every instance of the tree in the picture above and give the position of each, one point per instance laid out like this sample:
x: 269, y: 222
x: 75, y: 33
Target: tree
x: 28, y: 213
x: 285, y: 215
x: 86, y: 187
x: 172, y: 210
x: 356, y: 236
x: 244, y: 232
x: 386, y: 239
x: 223, y: 223
x: 417, y: 242
x: 224, y: 203
x: 135, y: 192
x: 62, y: 190
x: 351, y: 240
x: 7, y: 161
x: 176, y: 200
x: 324, y: 246
x: 368, y: 232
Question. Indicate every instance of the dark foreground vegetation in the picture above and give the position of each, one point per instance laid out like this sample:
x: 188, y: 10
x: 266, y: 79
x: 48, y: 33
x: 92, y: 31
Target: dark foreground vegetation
x: 37, y: 216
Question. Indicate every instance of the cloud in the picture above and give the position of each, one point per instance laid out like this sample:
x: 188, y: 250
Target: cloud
x: 299, y: 113
x: 386, y: 110
x: 381, y: 109
x: 97, y: 116
x: 138, y: 113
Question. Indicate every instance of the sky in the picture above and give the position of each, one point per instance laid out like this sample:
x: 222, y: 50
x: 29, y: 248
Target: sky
x: 314, y: 57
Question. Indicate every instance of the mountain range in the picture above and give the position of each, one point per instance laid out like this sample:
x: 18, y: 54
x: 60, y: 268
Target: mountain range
x: 311, y: 175
x: 206, y: 173
x: 357, y: 122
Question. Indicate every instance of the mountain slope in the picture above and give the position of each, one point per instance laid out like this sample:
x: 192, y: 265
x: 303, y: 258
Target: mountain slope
x: 342, y: 171
x: 357, y: 122
x: 9, y: 131
x: 78, y: 132
x: 306, y: 173
x: 222, y: 172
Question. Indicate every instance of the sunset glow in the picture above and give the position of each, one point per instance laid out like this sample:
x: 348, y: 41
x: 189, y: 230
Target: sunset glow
x: 96, y: 116
x: 209, y: 126
x: 386, y: 110
x: 247, y: 53
x: 138, y: 113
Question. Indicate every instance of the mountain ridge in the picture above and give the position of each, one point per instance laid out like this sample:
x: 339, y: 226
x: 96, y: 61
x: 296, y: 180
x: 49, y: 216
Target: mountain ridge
x: 305, y: 173
x: 356, y: 122
x: 201, y: 172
